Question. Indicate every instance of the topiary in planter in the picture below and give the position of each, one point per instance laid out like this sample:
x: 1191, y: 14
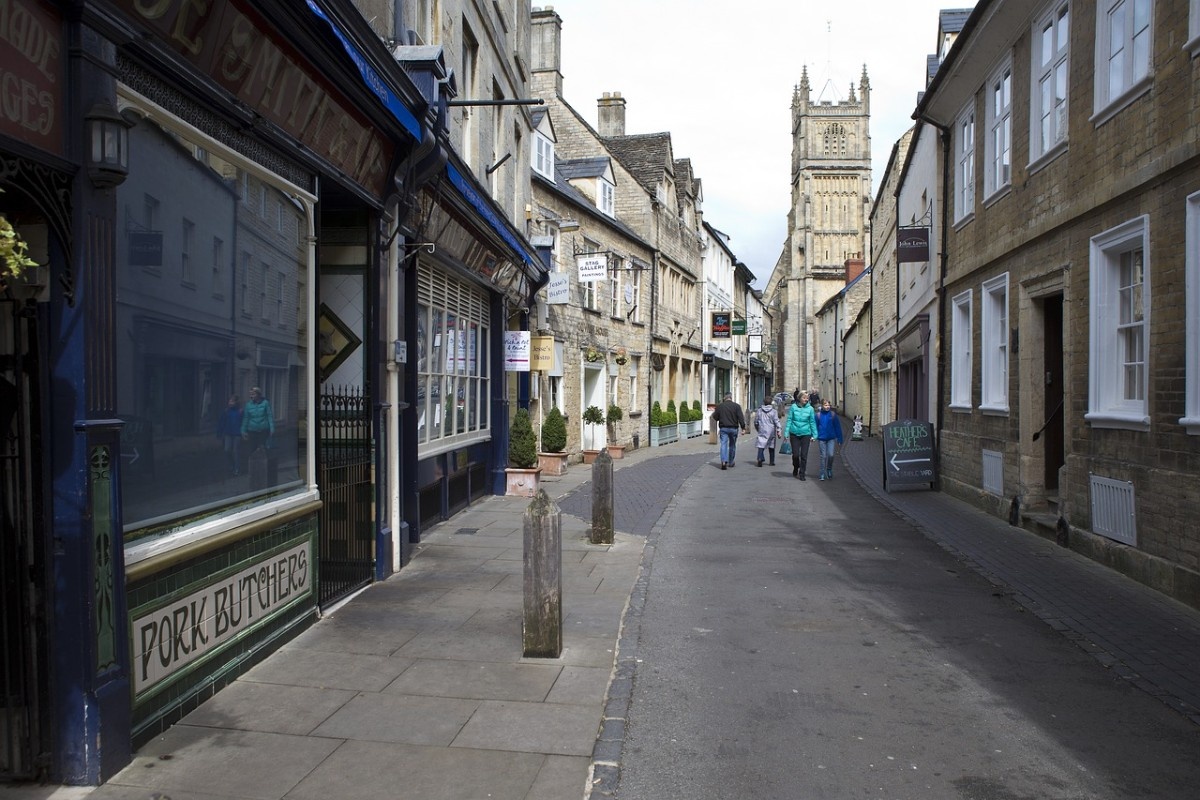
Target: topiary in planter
x: 696, y: 412
x: 593, y: 416
x: 656, y: 415
x: 554, y: 432
x: 522, y: 443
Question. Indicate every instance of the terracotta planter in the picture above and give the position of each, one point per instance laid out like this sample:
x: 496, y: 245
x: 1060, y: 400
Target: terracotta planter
x: 590, y: 455
x: 553, y: 463
x: 522, y: 482
x: 616, y: 451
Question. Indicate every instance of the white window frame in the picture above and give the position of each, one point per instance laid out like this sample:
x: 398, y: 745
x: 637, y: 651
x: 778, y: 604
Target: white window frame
x: 1108, y: 403
x: 993, y: 346
x: 1192, y: 46
x: 964, y: 163
x: 997, y: 146
x: 543, y: 155
x: 1124, y: 57
x: 1050, y: 72
x: 614, y: 287
x: 961, y: 351
x: 606, y: 197
x: 1191, y: 418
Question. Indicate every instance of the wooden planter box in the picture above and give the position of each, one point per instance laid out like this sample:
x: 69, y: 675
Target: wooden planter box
x: 616, y: 451
x: 590, y: 455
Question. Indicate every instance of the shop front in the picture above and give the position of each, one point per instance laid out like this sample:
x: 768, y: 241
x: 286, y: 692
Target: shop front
x: 216, y: 172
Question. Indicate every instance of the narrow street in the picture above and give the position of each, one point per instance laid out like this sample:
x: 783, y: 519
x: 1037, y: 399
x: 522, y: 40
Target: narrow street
x: 799, y: 640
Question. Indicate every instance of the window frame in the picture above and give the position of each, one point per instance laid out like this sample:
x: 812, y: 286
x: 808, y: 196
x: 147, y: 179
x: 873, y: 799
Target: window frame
x: 964, y: 163
x: 1107, y: 405
x: 962, y: 353
x: 1191, y: 419
x: 1047, y: 70
x: 998, y: 117
x: 606, y: 194
x: 543, y: 155
x: 993, y: 345
x: 1107, y: 99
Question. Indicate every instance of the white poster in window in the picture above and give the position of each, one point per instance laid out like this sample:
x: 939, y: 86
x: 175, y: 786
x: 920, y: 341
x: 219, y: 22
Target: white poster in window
x: 592, y: 268
x: 516, y: 351
x: 558, y: 292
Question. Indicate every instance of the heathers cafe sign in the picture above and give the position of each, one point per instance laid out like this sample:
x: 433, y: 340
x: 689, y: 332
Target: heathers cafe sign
x: 168, y: 638
x: 31, y: 86
x: 233, y: 46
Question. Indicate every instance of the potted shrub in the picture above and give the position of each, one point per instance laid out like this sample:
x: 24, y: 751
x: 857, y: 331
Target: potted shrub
x: 615, y: 414
x: 593, y: 416
x: 522, y: 472
x: 553, y: 457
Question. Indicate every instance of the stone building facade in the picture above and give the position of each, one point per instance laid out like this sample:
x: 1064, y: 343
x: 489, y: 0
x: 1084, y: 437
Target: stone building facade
x: 627, y: 199
x: 1072, y: 284
x: 828, y: 222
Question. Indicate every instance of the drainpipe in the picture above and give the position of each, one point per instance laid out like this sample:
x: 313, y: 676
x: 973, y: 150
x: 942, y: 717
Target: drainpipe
x: 944, y: 130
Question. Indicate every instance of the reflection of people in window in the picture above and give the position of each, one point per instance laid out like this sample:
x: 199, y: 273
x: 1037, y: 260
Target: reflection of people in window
x: 229, y: 431
x: 258, y: 421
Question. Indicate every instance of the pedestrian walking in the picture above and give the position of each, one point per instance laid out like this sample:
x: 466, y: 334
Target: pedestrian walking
x: 801, y: 428
x: 766, y: 424
x: 258, y: 422
x: 829, y: 436
x: 730, y: 420
x: 229, y: 431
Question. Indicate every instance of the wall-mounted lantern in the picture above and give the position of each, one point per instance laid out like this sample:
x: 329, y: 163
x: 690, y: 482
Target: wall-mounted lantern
x: 108, y: 146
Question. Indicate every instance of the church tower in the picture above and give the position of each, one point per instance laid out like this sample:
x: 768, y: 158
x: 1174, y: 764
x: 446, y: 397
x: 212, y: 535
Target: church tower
x: 828, y: 224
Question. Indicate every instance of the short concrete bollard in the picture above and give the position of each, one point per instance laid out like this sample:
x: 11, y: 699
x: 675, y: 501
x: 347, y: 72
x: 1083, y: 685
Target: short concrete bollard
x: 602, y: 499
x: 542, y: 633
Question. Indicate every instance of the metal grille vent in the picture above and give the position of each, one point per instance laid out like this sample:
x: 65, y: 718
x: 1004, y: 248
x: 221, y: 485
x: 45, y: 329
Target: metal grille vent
x: 1113, y: 509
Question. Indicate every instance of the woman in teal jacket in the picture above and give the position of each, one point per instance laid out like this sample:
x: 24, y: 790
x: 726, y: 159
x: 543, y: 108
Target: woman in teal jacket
x: 801, y: 428
x: 258, y: 421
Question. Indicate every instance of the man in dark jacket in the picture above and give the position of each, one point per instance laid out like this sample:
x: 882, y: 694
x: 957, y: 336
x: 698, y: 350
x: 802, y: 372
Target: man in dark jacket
x: 730, y: 420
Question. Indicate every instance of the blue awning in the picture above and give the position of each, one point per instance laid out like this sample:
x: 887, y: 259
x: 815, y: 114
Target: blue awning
x: 391, y: 101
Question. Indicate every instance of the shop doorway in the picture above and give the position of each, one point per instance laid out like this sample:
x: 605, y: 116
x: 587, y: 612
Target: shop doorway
x: 22, y: 551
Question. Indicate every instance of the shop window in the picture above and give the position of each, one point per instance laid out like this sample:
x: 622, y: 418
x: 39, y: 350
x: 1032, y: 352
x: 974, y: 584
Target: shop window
x: 453, y: 373
x: 181, y: 355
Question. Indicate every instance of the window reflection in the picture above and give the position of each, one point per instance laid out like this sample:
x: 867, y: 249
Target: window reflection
x: 190, y: 351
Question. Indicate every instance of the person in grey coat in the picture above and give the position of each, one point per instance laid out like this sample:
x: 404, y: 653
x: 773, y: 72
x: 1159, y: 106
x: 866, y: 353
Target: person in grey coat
x: 766, y: 423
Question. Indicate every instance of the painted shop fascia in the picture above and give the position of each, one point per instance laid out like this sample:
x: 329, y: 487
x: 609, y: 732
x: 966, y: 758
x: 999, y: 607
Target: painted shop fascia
x: 192, y: 273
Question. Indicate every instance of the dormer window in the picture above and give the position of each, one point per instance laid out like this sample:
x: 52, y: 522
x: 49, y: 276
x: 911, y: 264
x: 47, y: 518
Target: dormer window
x: 605, y: 197
x: 543, y: 155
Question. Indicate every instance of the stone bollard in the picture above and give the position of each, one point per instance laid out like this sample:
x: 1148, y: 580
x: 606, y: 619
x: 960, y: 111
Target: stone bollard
x: 542, y: 633
x: 602, y: 499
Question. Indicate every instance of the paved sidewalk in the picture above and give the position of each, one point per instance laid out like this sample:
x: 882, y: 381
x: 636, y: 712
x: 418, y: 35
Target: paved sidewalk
x: 417, y: 687
x: 1142, y: 635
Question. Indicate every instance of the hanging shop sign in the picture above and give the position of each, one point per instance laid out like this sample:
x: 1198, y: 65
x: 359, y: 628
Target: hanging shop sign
x: 516, y: 351
x: 722, y: 325
x: 592, y: 268
x: 912, y: 244
x: 541, y: 353
x: 739, y: 327
x: 558, y: 291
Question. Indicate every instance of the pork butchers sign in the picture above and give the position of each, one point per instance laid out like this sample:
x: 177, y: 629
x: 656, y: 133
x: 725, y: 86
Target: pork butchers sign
x: 172, y: 636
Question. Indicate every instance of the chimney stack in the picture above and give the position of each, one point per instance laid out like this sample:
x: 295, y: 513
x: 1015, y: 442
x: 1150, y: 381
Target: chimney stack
x: 611, y: 108
x: 546, y: 48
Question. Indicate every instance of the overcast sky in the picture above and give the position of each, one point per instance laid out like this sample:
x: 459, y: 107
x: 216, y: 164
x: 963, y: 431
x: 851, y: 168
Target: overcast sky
x: 719, y: 77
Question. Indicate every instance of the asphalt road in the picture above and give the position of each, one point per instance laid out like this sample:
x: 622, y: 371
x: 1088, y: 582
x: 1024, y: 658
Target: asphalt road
x: 797, y: 640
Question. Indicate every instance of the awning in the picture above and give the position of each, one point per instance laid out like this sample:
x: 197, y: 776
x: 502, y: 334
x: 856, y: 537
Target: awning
x: 374, y: 81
